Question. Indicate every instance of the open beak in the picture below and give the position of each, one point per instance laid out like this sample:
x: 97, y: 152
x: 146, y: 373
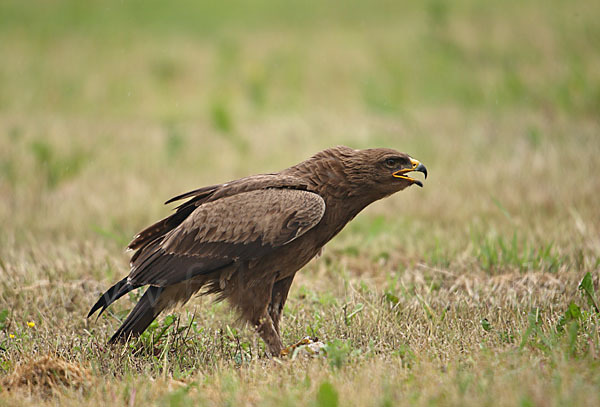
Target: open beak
x: 416, y: 166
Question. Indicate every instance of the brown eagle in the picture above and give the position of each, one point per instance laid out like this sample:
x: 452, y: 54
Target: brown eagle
x: 245, y: 240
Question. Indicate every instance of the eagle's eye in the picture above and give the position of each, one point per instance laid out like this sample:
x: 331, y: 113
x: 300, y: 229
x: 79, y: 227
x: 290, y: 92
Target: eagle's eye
x: 391, y: 163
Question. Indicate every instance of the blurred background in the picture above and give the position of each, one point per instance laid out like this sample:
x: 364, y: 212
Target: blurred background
x: 108, y: 108
x: 455, y: 292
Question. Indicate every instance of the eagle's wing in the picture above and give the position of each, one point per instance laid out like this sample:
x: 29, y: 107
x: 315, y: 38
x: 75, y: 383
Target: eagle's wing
x: 218, y: 233
x: 207, y: 194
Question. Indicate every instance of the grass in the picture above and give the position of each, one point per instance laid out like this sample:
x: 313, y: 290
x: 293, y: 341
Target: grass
x: 479, y: 289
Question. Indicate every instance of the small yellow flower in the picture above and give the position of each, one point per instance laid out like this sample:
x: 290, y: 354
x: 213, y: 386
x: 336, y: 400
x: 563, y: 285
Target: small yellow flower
x: 31, y: 324
x: 11, y: 336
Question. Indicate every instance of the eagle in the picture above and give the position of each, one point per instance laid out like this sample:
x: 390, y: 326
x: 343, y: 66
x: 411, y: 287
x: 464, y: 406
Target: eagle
x: 244, y: 240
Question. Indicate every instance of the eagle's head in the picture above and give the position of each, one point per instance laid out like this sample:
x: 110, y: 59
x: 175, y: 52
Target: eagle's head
x: 343, y: 172
x: 379, y: 171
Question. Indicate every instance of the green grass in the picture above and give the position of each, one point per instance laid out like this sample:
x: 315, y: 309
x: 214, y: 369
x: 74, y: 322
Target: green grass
x: 479, y: 289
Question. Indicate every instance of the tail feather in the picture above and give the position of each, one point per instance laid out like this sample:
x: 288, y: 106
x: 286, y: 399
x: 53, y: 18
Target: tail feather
x: 111, y: 295
x: 141, y: 316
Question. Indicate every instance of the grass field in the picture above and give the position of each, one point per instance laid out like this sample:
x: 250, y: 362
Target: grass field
x: 470, y: 291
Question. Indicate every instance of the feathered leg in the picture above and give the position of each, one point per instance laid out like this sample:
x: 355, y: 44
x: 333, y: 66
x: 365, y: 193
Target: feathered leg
x: 253, y: 303
x: 278, y: 298
x: 266, y: 330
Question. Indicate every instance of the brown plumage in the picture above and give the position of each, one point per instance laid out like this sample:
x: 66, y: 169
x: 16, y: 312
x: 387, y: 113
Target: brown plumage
x: 245, y: 240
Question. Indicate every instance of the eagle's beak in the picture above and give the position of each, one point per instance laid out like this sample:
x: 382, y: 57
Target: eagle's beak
x: 416, y: 166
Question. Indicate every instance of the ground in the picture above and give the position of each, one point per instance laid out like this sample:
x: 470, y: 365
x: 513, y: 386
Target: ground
x: 465, y: 292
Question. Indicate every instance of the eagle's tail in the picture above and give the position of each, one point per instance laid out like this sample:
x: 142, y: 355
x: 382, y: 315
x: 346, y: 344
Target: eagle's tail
x: 111, y: 295
x: 142, y: 315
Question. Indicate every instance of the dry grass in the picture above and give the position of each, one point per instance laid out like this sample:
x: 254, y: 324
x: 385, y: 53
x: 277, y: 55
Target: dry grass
x: 462, y: 293
x: 46, y: 376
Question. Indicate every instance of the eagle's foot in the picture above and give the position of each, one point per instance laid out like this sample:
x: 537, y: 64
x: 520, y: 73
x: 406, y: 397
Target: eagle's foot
x: 307, y: 346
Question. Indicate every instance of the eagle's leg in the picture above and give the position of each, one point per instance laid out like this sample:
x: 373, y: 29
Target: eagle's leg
x: 252, y: 301
x: 267, y: 332
x: 278, y: 298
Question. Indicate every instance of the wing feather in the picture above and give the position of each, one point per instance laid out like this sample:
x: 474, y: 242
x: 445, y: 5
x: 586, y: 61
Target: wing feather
x: 207, y: 194
x: 218, y: 233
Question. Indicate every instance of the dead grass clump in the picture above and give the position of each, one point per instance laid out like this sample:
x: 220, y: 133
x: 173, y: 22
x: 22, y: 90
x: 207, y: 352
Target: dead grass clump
x: 46, y: 375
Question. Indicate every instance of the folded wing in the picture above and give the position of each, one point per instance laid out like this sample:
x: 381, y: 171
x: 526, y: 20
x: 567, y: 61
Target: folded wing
x: 216, y: 234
